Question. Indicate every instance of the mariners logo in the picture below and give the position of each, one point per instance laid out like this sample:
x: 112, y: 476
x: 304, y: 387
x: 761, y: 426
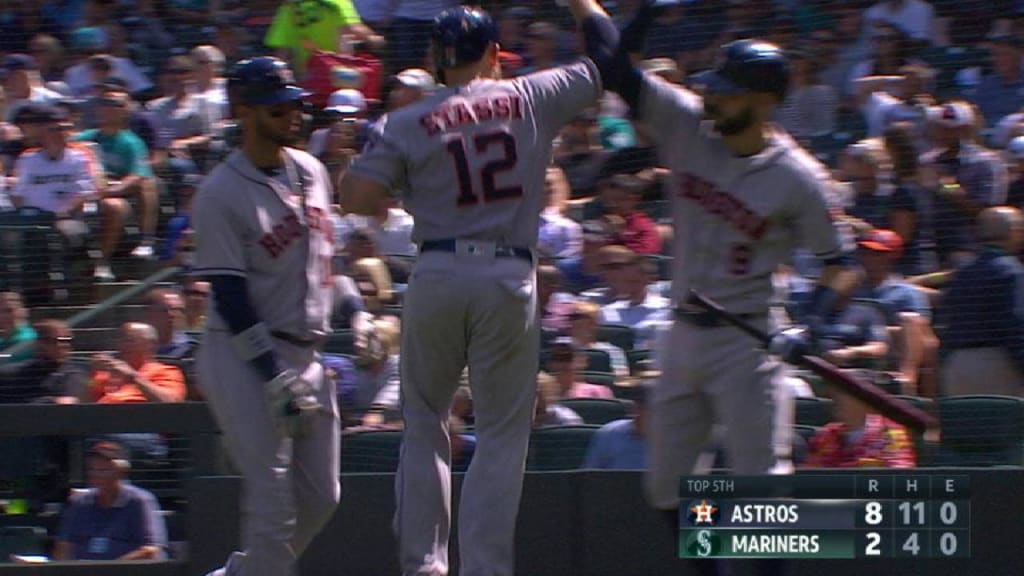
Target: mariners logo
x: 702, y: 513
x: 703, y: 544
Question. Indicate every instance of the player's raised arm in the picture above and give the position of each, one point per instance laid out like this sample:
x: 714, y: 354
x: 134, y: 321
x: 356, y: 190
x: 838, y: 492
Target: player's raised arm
x: 373, y: 176
x: 608, y: 50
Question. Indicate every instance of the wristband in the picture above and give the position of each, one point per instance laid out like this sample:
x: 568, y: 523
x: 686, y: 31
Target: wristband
x: 253, y: 342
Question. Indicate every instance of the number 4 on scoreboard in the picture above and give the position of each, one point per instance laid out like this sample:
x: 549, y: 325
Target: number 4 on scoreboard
x: 911, y: 544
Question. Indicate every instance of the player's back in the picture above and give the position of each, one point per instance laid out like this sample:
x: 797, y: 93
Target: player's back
x: 470, y: 160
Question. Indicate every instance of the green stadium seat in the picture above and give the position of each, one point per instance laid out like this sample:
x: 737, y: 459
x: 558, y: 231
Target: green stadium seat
x: 24, y: 540
x: 813, y: 411
x: 925, y: 452
x: 601, y: 378
x: 802, y: 441
x: 559, y: 447
x: 340, y: 342
x: 598, y: 361
x: 598, y: 411
x: 371, y: 451
x: 617, y: 335
x: 981, y: 430
x: 636, y: 357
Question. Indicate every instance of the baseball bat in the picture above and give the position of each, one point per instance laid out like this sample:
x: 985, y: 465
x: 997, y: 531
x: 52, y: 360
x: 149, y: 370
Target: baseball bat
x: 888, y: 406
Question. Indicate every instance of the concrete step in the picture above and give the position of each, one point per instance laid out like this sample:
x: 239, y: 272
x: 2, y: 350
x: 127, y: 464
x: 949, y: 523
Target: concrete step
x: 110, y: 318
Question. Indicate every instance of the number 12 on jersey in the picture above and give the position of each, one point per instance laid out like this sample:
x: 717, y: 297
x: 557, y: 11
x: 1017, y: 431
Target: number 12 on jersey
x: 488, y: 189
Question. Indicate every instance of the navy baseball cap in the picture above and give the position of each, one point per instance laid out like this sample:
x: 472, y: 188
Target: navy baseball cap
x: 747, y: 66
x: 263, y: 80
x: 15, y: 62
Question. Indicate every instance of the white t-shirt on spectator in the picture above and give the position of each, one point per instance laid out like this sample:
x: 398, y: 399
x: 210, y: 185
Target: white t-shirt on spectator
x: 915, y: 17
x: 38, y: 94
x: 79, y: 77
x: 393, y: 237
x: 558, y: 235
x: 54, y: 184
x: 882, y: 109
x: 644, y: 318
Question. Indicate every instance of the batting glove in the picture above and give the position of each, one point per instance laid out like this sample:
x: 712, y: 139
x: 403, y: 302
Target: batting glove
x: 292, y: 403
x: 791, y: 344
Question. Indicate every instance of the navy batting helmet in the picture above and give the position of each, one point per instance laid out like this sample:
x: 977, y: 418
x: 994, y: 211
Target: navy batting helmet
x: 462, y: 36
x: 263, y: 80
x: 747, y: 66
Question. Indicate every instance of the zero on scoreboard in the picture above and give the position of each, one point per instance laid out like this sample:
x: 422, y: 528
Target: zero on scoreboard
x: 825, y: 516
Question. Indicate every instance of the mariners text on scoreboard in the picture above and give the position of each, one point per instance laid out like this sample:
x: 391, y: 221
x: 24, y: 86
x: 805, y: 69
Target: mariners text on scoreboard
x: 861, y: 515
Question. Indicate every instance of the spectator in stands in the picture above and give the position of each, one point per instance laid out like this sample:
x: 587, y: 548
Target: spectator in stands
x: 1001, y: 92
x: 902, y: 97
x: 983, y: 329
x: 14, y: 328
x: 210, y: 84
x: 919, y: 232
x: 134, y: 375
x: 49, y: 376
x: 614, y: 259
x: 916, y: 18
x: 620, y: 444
x: 853, y: 335
x: 165, y: 311
x: 463, y: 445
x: 907, y: 308
x: 892, y: 50
x: 541, y: 47
x: 59, y: 177
x: 23, y: 83
x: 126, y: 164
x: 409, y: 86
x: 512, y: 28
x: 876, y: 203
x: 80, y: 78
x: 1015, y: 164
x: 858, y: 437
x: 374, y: 283
x: 305, y: 25
x: 375, y: 389
x: 969, y: 177
x: 565, y: 362
x: 181, y: 120
x: 584, y: 272
x: 113, y: 519
x: 584, y: 322
x: 620, y: 196
x: 409, y: 33
x: 559, y: 235
x: 638, y: 306
x: 810, y: 107
x: 554, y: 304
x: 139, y: 121
x: 546, y: 409
x: 176, y: 246
x: 197, y: 298
x: 462, y: 401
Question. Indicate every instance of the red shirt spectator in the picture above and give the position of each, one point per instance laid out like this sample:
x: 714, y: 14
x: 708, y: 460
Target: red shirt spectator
x: 620, y: 195
x: 881, y: 443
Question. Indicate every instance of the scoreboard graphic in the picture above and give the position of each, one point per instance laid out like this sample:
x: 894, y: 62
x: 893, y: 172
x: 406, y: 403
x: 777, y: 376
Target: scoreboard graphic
x: 825, y: 516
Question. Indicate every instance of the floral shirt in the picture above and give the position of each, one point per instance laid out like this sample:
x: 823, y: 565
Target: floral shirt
x: 881, y: 444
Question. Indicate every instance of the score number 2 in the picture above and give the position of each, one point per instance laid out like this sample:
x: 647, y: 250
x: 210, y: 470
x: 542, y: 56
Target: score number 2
x: 490, y: 171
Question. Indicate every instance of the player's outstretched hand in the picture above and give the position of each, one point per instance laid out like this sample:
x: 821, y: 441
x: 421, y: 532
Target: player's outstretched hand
x: 292, y: 402
x: 791, y: 344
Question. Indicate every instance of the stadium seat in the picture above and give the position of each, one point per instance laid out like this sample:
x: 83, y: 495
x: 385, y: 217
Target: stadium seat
x: 981, y: 430
x: 598, y: 361
x: 617, y: 335
x: 813, y: 411
x: 925, y: 452
x: 601, y: 378
x: 598, y: 411
x: 371, y: 451
x: 392, y: 310
x: 24, y: 540
x: 340, y: 342
x: 559, y: 447
x: 802, y: 441
x: 636, y: 358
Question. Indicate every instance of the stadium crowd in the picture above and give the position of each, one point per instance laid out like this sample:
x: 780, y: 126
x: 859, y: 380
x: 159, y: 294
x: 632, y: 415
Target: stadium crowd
x: 113, y: 110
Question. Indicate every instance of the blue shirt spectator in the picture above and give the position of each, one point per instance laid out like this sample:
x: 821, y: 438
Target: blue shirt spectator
x: 618, y: 445
x: 1001, y: 92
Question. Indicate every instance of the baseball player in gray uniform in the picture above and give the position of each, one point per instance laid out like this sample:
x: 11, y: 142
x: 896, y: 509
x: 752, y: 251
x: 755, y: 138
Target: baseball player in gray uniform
x: 264, y: 241
x: 744, y: 196
x: 471, y: 159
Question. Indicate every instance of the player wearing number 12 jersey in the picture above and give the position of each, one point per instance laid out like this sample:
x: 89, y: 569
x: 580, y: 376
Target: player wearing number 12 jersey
x: 470, y: 160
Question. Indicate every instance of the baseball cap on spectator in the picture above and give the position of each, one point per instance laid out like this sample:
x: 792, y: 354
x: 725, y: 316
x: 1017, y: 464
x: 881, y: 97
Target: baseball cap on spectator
x: 880, y: 240
x: 29, y: 113
x: 50, y: 113
x: 346, y: 77
x: 1015, y: 149
x: 111, y: 451
x: 15, y: 62
x: 953, y: 115
x: 346, y: 101
x: 88, y: 39
x: 416, y: 78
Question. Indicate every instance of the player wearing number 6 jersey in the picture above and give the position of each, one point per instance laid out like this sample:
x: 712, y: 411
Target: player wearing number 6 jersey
x: 744, y: 195
x: 470, y: 160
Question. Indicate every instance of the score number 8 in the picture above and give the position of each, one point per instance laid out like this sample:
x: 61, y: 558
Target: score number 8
x: 873, y: 513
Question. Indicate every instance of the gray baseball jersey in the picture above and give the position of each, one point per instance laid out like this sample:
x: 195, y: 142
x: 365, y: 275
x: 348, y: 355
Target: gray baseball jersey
x: 736, y: 218
x: 251, y: 224
x: 471, y: 159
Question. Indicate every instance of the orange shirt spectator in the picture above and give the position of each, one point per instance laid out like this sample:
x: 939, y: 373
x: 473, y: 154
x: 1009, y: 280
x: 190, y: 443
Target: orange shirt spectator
x: 134, y: 376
